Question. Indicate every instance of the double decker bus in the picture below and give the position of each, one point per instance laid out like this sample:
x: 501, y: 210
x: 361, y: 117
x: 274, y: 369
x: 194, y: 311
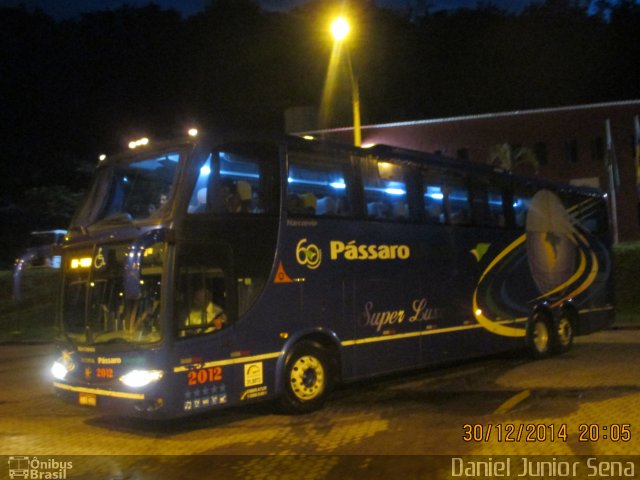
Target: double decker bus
x: 223, y: 271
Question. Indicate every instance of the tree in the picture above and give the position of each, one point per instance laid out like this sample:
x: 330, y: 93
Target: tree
x: 514, y: 158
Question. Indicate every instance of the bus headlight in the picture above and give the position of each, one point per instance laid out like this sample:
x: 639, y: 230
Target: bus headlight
x: 62, y: 366
x: 59, y: 371
x: 141, y: 378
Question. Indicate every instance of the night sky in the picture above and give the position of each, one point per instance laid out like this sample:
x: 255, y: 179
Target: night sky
x: 71, y: 8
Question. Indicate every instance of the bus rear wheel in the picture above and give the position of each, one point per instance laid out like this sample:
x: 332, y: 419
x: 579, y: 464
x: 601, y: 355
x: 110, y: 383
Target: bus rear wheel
x: 564, y: 333
x: 306, y: 378
x: 539, y: 334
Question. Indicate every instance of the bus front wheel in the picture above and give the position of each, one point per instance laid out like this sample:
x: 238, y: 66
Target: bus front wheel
x: 539, y: 335
x: 306, y: 378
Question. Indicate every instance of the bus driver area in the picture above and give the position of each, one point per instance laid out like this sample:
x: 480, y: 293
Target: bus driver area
x: 204, y: 316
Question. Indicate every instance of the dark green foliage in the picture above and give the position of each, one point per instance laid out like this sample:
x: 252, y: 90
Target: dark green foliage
x: 33, y: 318
x: 627, y: 289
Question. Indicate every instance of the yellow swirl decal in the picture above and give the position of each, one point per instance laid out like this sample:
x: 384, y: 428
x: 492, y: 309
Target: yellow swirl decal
x: 486, y: 322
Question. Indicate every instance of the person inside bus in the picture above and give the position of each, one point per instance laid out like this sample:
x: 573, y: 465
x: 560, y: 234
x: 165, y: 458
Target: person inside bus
x: 204, y: 313
x: 245, y: 194
x: 162, y: 200
x: 229, y: 196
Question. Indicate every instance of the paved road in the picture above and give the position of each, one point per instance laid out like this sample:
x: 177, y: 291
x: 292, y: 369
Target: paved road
x: 502, y: 401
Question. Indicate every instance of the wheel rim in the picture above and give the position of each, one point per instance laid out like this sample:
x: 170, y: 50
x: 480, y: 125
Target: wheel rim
x: 307, y: 378
x: 541, y: 336
x: 565, y: 331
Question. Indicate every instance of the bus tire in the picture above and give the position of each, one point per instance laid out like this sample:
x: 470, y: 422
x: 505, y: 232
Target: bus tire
x: 307, y: 378
x: 564, y: 333
x: 539, y: 335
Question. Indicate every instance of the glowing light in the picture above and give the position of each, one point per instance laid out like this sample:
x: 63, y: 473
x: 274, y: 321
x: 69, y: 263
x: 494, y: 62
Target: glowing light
x: 308, y: 137
x: 84, y: 262
x: 368, y: 145
x: 62, y: 366
x: 395, y: 191
x: 205, y: 170
x: 339, y: 184
x: 138, y: 143
x: 141, y: 378
x: 478, y: 312
x: 58, y: 370
x: 102, y: 157
x: 193, y: 132
x: 340, y: 29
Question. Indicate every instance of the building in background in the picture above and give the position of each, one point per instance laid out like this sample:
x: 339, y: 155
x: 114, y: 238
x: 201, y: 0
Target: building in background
x: 566, y: 144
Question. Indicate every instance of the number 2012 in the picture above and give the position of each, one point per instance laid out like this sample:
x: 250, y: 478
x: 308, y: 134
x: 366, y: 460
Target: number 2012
x: 204, y: 375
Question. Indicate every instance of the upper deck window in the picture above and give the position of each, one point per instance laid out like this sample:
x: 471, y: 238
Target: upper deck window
x: 385, y: 190
x: 457, y: 197
x: 487, y: 208
x: 318, y: 186
x: 433, y: 196
x: 521, y: 202
x: 232, y: 183
x: 130, y: 190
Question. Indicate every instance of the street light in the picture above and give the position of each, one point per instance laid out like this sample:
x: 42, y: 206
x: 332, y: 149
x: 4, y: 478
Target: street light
x: 340, y: 30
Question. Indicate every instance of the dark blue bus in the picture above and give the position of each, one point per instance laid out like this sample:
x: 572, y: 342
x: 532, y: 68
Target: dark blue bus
x: 223, y: 271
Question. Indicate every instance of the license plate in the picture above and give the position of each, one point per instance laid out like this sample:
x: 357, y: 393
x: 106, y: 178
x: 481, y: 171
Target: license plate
x: 88, y: 399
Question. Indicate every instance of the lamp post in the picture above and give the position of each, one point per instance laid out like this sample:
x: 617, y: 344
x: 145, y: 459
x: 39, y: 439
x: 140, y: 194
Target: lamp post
x: 340, y: 30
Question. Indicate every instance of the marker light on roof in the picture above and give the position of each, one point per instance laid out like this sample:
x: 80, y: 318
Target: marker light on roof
x: 138, y: 143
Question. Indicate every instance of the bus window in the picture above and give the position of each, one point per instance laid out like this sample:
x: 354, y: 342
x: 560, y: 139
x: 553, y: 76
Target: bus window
x: 587, y: 211
x: 487, y: 206
x: 317, y: 187
x: 593, y: 215
x: 201, y: 300
x: 198, y: 202
x: 496, y: 208
x: 457, y: 198
x: 385, y: 190
x: 521, y: 202
x: 480, y: 204
x: 433, y: 197
x: 139, y: 189
x: 249, y: 288
x: 229, y: 183
x: 97, y: 306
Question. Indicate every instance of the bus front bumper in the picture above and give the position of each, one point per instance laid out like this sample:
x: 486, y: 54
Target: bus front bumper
x: 148, y: 404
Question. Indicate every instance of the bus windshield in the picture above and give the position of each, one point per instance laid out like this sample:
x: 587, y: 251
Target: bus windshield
x: 129, y: 190
x: 97, y: 309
